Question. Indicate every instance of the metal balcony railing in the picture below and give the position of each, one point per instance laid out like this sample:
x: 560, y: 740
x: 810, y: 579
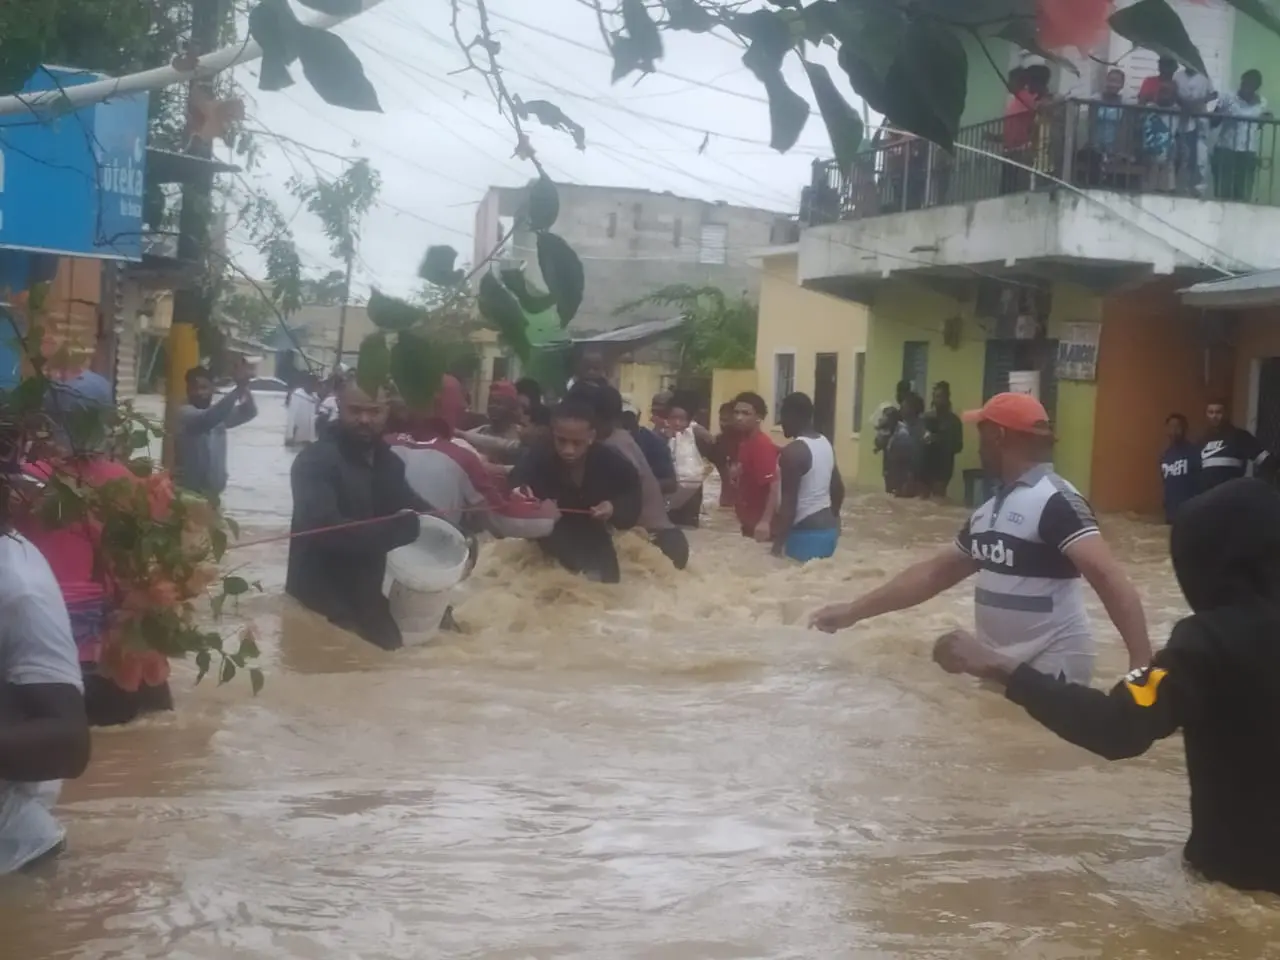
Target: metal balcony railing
x: 1088, y: 144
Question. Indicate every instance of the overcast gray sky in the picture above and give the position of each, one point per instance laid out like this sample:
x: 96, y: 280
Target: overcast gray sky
x: 440, y: 143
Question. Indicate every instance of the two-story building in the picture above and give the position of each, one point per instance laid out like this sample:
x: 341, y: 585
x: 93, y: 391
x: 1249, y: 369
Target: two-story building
x: 1048, y: 257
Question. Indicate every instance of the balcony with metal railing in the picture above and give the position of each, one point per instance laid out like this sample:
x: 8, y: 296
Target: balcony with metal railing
x: 1088, y: 183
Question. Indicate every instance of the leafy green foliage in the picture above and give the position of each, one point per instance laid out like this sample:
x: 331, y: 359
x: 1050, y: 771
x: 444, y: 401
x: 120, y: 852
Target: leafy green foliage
x: 563, y: 274
x: 544, y: 204
x: 417, y: 367
x: 333, y: 71
x: 513, y: 279
x: 390, y: 313
x: 500, y: 307
x: 844, y: 126
x: 373, y: 364
x: 340, y: 204
x: 1155, y: 25
x: 437, y: 267
x: 720, y: 332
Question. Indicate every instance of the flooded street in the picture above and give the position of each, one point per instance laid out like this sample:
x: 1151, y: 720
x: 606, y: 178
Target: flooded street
x: 667, y: 770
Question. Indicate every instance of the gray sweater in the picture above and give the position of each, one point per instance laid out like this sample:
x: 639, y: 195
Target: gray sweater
x: 200, y: 447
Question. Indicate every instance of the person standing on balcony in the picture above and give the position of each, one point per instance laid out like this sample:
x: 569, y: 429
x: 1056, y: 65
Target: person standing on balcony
x: 1166, y: 70
x: 1228, y: 451
x: 1159, y: 142
x: 1236, y: 158
x: 1195, y: 93
x: 1098, y: 159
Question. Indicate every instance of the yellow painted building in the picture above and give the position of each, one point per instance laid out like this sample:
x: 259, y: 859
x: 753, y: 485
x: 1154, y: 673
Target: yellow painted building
x: 816, y: 344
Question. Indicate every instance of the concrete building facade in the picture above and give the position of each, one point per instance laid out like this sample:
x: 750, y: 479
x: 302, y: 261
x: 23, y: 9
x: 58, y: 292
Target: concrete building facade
x: 633, y: 242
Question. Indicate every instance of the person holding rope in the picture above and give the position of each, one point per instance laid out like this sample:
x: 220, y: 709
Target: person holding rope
x: 351, y: 475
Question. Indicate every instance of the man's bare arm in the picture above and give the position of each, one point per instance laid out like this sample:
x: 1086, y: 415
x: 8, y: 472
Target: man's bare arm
x: 1095, y: 561
x: 913, y: 586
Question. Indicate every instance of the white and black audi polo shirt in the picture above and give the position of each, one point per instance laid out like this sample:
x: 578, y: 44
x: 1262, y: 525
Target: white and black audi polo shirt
x: 1029, y: 599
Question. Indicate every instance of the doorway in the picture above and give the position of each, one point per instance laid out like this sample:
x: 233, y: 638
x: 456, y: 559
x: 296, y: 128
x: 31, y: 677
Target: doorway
x: 1268, y: 403
x: 825, y: 374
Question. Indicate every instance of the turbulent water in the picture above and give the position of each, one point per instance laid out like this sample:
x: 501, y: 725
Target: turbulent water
x: 666, y: 770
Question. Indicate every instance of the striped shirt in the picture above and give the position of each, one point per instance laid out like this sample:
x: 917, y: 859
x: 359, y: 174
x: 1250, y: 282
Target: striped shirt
x: 1029, y: 600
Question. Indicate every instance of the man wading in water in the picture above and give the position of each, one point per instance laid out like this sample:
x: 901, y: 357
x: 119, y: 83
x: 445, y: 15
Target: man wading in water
x: 596, y: 483
x: 808, y: 520
x: 1029, y: 545
x: 351, y: 475
x: 1218, y: 681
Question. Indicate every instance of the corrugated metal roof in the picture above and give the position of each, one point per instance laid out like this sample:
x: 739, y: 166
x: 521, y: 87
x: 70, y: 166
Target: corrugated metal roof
x: 1261, y: 289
x: 635, y: 332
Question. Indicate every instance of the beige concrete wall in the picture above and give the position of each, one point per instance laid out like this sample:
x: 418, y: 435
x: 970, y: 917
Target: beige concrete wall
x: 805, y: 323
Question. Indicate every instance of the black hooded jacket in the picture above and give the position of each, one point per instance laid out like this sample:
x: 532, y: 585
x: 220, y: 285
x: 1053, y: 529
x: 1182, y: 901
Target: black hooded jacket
x: 1218, y: 680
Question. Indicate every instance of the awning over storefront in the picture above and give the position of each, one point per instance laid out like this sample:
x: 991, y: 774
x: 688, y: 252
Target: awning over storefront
x: 1260, y: 289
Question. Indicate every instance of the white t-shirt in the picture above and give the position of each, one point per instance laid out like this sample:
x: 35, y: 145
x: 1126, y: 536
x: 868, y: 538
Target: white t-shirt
x: 300, y: 426
x: 1195, y: 91
x: 1235, y: 134
x: 35, y: 647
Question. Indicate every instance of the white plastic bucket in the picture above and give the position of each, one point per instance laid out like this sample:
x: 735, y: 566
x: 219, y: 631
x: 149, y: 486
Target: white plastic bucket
x: 418, y: 614
x: 436, y: 561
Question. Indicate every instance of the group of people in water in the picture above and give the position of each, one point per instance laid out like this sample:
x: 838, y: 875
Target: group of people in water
x: 569, y: 475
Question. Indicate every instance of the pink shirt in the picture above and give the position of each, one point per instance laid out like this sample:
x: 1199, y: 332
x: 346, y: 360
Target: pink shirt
x: 69, y: 549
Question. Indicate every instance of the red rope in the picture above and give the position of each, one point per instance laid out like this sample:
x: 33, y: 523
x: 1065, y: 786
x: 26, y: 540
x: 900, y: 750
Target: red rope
x: 276, y: 538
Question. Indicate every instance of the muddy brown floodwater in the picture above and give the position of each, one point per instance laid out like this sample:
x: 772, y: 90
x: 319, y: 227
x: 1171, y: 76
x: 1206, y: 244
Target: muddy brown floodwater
x: 672, y: 769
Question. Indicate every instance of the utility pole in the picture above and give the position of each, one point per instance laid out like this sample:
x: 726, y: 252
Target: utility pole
x: 193, y: 301
x: 350, y: 244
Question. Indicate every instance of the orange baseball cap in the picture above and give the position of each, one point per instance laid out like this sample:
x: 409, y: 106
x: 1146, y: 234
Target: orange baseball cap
x: 1019, y: 412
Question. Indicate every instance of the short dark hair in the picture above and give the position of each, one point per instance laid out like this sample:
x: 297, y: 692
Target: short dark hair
x: 1038, y: 72
x: 1255, y: 75
x: 529, y: 387
x: 572, y: 408
x: 1176, y: 416
x: 603, y: 398
x: 198, y: 373
x: 796, y: 406
x: 915, y: 400
x: 727, y: 405
x: 755, y: 401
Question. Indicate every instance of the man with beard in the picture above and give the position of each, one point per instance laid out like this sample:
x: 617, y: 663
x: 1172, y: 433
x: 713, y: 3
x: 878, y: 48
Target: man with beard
x: 1030, y: 545
x: 200, y: 447
x: 1215, y: 681
x: 1228, y: 450
x: 351, y: 475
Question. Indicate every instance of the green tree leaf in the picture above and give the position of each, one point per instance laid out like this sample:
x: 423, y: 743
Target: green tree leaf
x: 248, y: 647
x: 924, y: 90
x: 640, y: 46
x: 1021, y: 32
x: 335, y: 8
x: 273, y: 25
x: 771, y: 39
x: 502, y: 310
x: 437, y: 266
x: 218, y: 544
x: 19, y: 59
x: 844, y: 126
x: 788, y: 113
x: 256, y: 680
x: 373, y: 364
x: 1156, y: 26
x: 235, y: 586
x: 515, y: 281
x: 563, y: 274
x: 334, y: 71
x: 544, y: 204
x: 228, y: 671
x: 390, y: 313
x: 869, y: 34
x: 688, y: 15
x: 417, y: 367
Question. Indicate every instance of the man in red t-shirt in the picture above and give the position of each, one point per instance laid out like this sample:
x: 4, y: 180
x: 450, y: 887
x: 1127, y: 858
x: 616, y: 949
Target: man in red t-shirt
x: 1150, y: 88
x: 757, y: 466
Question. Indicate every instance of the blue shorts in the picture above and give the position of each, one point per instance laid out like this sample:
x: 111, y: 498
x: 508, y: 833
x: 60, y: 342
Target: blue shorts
x: 806, y: 545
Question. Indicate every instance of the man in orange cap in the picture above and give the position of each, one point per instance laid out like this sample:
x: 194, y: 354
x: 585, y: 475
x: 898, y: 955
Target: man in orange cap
x: 1029, y: 544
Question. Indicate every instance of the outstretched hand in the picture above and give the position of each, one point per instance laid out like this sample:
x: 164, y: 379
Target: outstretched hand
x: 961, y: 652
x: 833, y: 617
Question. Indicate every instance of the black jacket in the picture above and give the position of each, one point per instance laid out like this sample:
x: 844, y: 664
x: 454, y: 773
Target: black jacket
x: 339, y: 573
x: 607, y: 476
x: 1218, y: 681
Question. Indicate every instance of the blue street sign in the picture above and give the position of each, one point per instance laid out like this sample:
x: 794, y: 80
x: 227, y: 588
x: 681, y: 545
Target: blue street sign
x: 73, y: 183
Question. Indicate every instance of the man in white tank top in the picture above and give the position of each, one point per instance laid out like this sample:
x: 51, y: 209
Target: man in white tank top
x: 807, y: 525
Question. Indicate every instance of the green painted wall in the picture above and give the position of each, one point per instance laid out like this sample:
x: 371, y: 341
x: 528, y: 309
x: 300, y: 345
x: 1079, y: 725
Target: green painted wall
x: 905, y: 312
x: 987, y: 93
x: 1257, y: 48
